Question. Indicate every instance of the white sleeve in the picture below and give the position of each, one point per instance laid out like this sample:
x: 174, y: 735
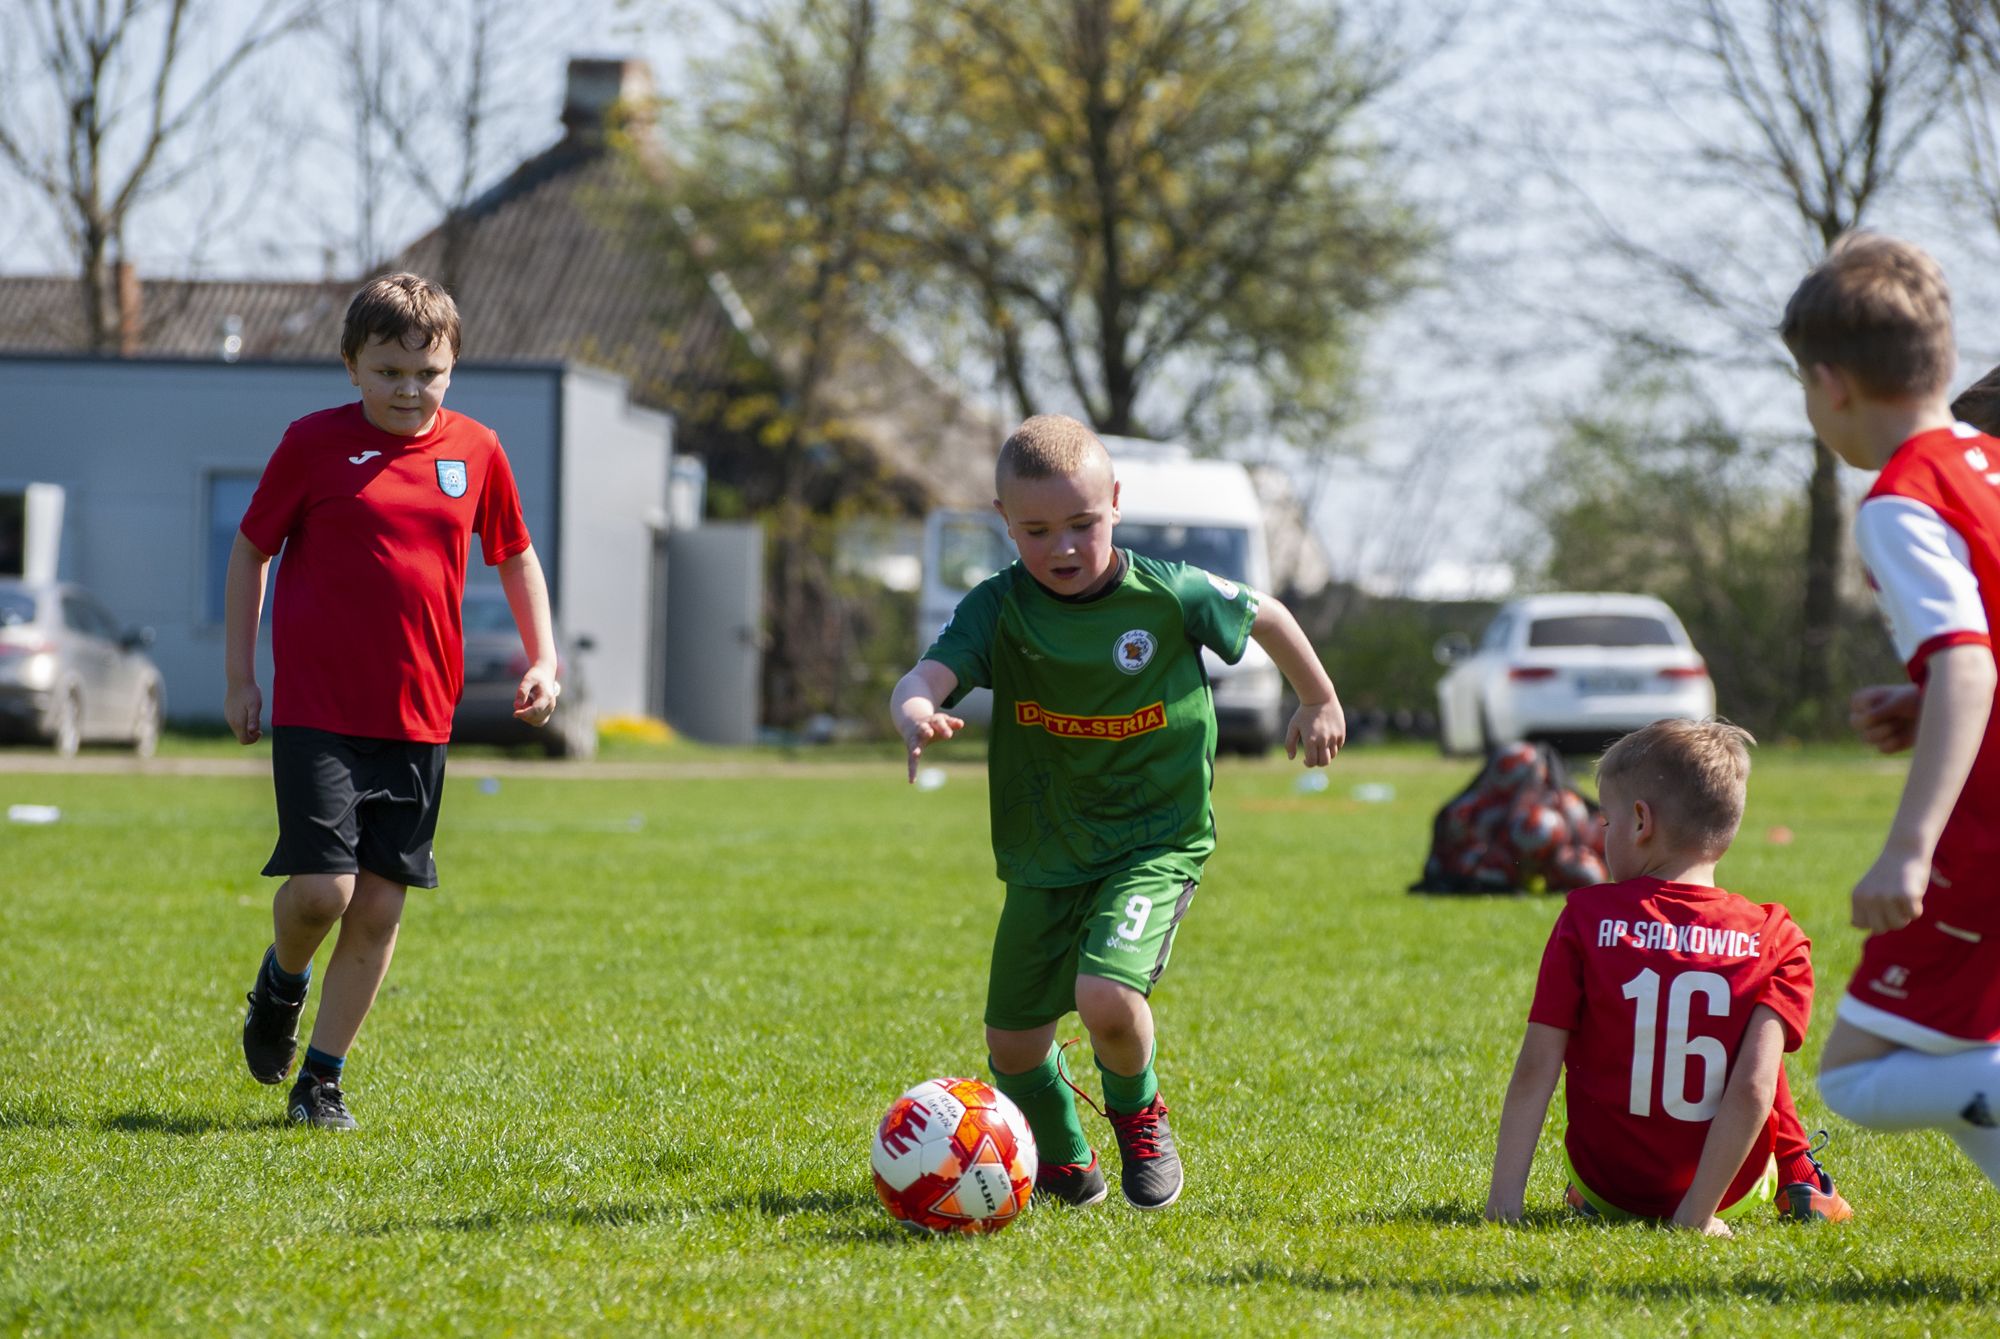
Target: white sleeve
x: 1922, y: 572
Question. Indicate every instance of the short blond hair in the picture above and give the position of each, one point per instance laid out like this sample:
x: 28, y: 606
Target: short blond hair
x: 1979, y: 404
x: 1694, y: 774
x: 396, y: 307
x: 1048, y: 446
x: 1879, y: 310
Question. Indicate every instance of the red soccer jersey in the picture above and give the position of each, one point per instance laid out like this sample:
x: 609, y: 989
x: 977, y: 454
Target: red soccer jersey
x: 1929, y: 532
x: 1654, y: 982
x: 375, y: 527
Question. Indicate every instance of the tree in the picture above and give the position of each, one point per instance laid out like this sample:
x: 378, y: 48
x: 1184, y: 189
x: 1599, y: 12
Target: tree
x: 780, y: 195
x: 1975, y: 25
x: 1155, y: 215
x: 1806, y: 113
x: 1160, y: 216
x: 123, y: 86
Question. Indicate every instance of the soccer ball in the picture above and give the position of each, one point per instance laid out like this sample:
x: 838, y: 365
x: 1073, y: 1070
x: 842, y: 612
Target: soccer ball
x: 1514, y: 767
x: 1576, y: 867
x: 1535, y: 829
x: 954, y: 1155
x: 1578, y: 816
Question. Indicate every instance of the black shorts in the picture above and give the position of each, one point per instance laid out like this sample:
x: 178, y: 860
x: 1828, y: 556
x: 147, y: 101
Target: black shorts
x: 346, y: 804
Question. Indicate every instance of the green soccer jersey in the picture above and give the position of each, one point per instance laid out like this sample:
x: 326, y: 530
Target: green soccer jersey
x: 1103, y: 732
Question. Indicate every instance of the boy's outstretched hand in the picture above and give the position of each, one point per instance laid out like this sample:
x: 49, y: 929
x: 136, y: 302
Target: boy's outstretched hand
x: 535, y: 699
x: 1885, y: 715
x: 914, y: 708
x: 920, y: 731
x: 1318, y: 729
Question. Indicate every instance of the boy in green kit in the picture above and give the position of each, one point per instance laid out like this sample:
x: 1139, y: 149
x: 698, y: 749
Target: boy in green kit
x: 1101, y: 761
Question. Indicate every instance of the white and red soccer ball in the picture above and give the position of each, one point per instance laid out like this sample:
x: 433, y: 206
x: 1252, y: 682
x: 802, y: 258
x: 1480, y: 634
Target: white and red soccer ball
x: 1515, y: 767
x: 1535, y: 829
x: 954, y: 1155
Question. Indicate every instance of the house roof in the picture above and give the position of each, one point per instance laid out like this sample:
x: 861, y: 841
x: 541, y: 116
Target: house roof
x: 181, y: 317
x: 552, y: 264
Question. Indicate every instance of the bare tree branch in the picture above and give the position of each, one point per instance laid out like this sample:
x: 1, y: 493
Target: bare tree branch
x: 78, y: 57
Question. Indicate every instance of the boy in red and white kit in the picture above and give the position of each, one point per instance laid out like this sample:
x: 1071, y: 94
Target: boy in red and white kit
x: 1671, y: 1003
x: 1916, y: 1042
x: 374, y: 505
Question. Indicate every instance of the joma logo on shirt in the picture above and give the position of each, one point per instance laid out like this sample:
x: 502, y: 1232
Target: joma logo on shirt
x: 1142, y: 721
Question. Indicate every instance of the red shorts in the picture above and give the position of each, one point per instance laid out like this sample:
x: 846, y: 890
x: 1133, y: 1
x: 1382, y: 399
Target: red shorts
x: 1940, y: 973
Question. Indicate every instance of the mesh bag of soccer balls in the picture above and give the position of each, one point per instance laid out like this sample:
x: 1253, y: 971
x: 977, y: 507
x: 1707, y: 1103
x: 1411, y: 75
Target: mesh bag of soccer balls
x: 1518, y: 827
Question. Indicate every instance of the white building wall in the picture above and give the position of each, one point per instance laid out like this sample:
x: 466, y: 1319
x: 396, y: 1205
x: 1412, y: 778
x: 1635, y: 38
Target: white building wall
x: 614, y: 469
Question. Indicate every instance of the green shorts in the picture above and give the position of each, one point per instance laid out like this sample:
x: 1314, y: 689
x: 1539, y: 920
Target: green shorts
x: 1764, y: 1192
x: 1121, y: 927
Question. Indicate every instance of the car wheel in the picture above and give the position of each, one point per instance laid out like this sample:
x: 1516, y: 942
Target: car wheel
x: 146, y: 729
x: 66, y: 733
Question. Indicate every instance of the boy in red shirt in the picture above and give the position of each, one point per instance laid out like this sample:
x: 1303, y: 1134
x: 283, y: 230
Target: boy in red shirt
x: 1916, y: 1042
x: 373, y: 504
x: 1671, y: 1003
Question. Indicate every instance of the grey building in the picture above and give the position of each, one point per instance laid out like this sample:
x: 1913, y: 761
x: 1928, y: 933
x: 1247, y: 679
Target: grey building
x: 157, y: 459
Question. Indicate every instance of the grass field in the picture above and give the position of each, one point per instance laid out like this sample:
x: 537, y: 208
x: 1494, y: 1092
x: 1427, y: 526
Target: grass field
x: 623, y: 1075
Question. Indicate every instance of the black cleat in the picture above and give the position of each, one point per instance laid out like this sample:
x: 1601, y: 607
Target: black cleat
x: 270, y: 1031
x: 1151, y: 1177
x: 1073, y: 1183
x: 317, y: 1102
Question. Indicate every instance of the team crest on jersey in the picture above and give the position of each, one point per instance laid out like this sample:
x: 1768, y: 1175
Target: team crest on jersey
x: 1134, y: 650
x: 451, y: 477
x: 1223, y: 585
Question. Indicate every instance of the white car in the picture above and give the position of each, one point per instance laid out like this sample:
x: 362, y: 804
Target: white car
x: 1577, y: 670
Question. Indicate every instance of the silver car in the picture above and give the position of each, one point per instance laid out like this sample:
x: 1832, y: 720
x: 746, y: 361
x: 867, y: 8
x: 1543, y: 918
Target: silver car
x: 494, y: 664
x: 70, y: 674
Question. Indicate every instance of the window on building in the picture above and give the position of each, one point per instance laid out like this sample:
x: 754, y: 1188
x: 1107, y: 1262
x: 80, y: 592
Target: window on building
x: 229, y: 494
x: 13, y: 534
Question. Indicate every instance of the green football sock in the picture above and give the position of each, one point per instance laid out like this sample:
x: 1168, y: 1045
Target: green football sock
x: 1050, y: 1108
x: 1127, y: 1094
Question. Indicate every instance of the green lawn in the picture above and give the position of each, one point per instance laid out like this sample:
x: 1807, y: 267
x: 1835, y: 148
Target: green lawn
x: 624, y: 1072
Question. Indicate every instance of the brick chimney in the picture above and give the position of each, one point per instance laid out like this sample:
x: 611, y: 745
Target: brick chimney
x: 603, y: 94
x: 129, y: 309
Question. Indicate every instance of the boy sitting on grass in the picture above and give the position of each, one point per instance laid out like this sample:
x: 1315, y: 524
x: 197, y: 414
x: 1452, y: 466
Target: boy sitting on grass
x: 1671, y: 1003
x: 1102, y: 756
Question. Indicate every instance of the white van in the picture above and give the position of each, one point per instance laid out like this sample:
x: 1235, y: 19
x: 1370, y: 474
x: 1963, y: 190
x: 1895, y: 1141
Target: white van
x: 1173, y: 506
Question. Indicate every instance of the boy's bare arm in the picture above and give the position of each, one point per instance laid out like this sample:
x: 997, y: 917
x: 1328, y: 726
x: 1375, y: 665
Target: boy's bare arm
x: 1527, y: 1106
x: 1746, y: 1106
x: 1958, y: 697
x: 242, y: 609
x: 1319, y: 727
x: 528, y: 596
x: 914, y: 707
